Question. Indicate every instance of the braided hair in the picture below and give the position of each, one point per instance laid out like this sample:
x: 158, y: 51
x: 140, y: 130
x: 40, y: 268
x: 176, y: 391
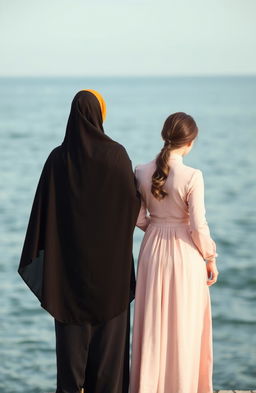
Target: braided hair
x: 178, y: 130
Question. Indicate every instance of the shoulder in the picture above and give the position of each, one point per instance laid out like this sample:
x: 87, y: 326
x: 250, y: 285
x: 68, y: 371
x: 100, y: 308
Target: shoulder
x: 53, y: 158
x: 143, y: 174
x: 117, y: 158
x: 191, y: 172
x: 119, y: 151
x: 47, y: 167
x: 141, y: 168
x: 194, y: 179
x: 53, y: 154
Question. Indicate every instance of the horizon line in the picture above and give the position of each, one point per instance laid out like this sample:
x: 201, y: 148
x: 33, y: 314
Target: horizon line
x: 128, y: 75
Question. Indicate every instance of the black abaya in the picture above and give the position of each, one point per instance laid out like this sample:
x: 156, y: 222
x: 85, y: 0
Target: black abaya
x: 77, y: 253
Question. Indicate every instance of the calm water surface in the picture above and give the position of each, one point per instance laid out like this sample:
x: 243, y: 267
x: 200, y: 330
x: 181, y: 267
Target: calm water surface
x: 33, y: 116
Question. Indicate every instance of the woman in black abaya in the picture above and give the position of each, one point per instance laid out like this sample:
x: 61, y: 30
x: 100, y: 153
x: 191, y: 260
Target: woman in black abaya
x: 77, y: 253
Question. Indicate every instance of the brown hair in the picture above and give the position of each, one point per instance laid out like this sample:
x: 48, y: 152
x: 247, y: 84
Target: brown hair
x: 178, y: 130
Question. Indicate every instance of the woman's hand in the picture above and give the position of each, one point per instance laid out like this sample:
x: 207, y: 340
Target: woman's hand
x: 212, y: 272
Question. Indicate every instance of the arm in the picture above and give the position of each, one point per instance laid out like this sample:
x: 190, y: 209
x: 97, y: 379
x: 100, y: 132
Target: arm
x: 200, y: 232
x: 143, y: 218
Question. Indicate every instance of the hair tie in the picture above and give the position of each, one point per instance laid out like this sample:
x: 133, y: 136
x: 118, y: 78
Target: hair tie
x: 168, y: 143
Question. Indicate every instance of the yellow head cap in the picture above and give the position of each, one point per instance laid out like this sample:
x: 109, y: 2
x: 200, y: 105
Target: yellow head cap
x: 101, y: 101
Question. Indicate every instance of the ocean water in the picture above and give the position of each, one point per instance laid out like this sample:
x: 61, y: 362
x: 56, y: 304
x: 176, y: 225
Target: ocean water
x: 33, y: 116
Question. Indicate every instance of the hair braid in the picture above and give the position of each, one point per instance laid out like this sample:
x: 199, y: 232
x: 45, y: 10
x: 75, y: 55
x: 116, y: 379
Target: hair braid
x: 161, y: 173
x: 178, y: 130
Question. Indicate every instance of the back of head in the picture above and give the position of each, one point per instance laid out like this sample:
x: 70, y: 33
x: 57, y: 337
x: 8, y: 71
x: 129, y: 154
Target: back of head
x: 88, y: 104
x: 179, y: 129
x: 100, y: 100
x: 85, y: 124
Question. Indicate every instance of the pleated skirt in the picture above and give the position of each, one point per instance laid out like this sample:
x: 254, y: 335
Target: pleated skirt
x: 172, y: 329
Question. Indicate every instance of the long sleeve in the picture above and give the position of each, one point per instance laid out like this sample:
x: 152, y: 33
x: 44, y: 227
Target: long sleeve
x: 198, y: 225
x: 143, y: 219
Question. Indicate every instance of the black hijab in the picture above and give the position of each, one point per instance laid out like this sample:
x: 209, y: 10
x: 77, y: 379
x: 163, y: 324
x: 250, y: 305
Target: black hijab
x: 77, y: 253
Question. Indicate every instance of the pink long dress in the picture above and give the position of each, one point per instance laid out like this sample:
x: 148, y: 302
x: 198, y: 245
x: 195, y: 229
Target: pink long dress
x: 172, y: 330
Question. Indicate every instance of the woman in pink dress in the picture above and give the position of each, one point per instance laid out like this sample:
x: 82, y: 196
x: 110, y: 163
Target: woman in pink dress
x: 172, y: 330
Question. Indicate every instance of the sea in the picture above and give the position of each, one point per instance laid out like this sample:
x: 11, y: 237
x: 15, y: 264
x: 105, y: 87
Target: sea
x: 33, y: 117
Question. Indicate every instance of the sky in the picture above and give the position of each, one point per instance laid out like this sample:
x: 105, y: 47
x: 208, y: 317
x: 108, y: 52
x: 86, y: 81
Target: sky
x: 127, y: 37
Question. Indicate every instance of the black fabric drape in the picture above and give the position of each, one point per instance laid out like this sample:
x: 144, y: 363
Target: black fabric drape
x: 77, y: 253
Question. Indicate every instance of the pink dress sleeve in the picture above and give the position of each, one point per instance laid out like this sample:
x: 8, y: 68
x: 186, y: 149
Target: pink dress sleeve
x: 200, y: 232
x: 143, y: 218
